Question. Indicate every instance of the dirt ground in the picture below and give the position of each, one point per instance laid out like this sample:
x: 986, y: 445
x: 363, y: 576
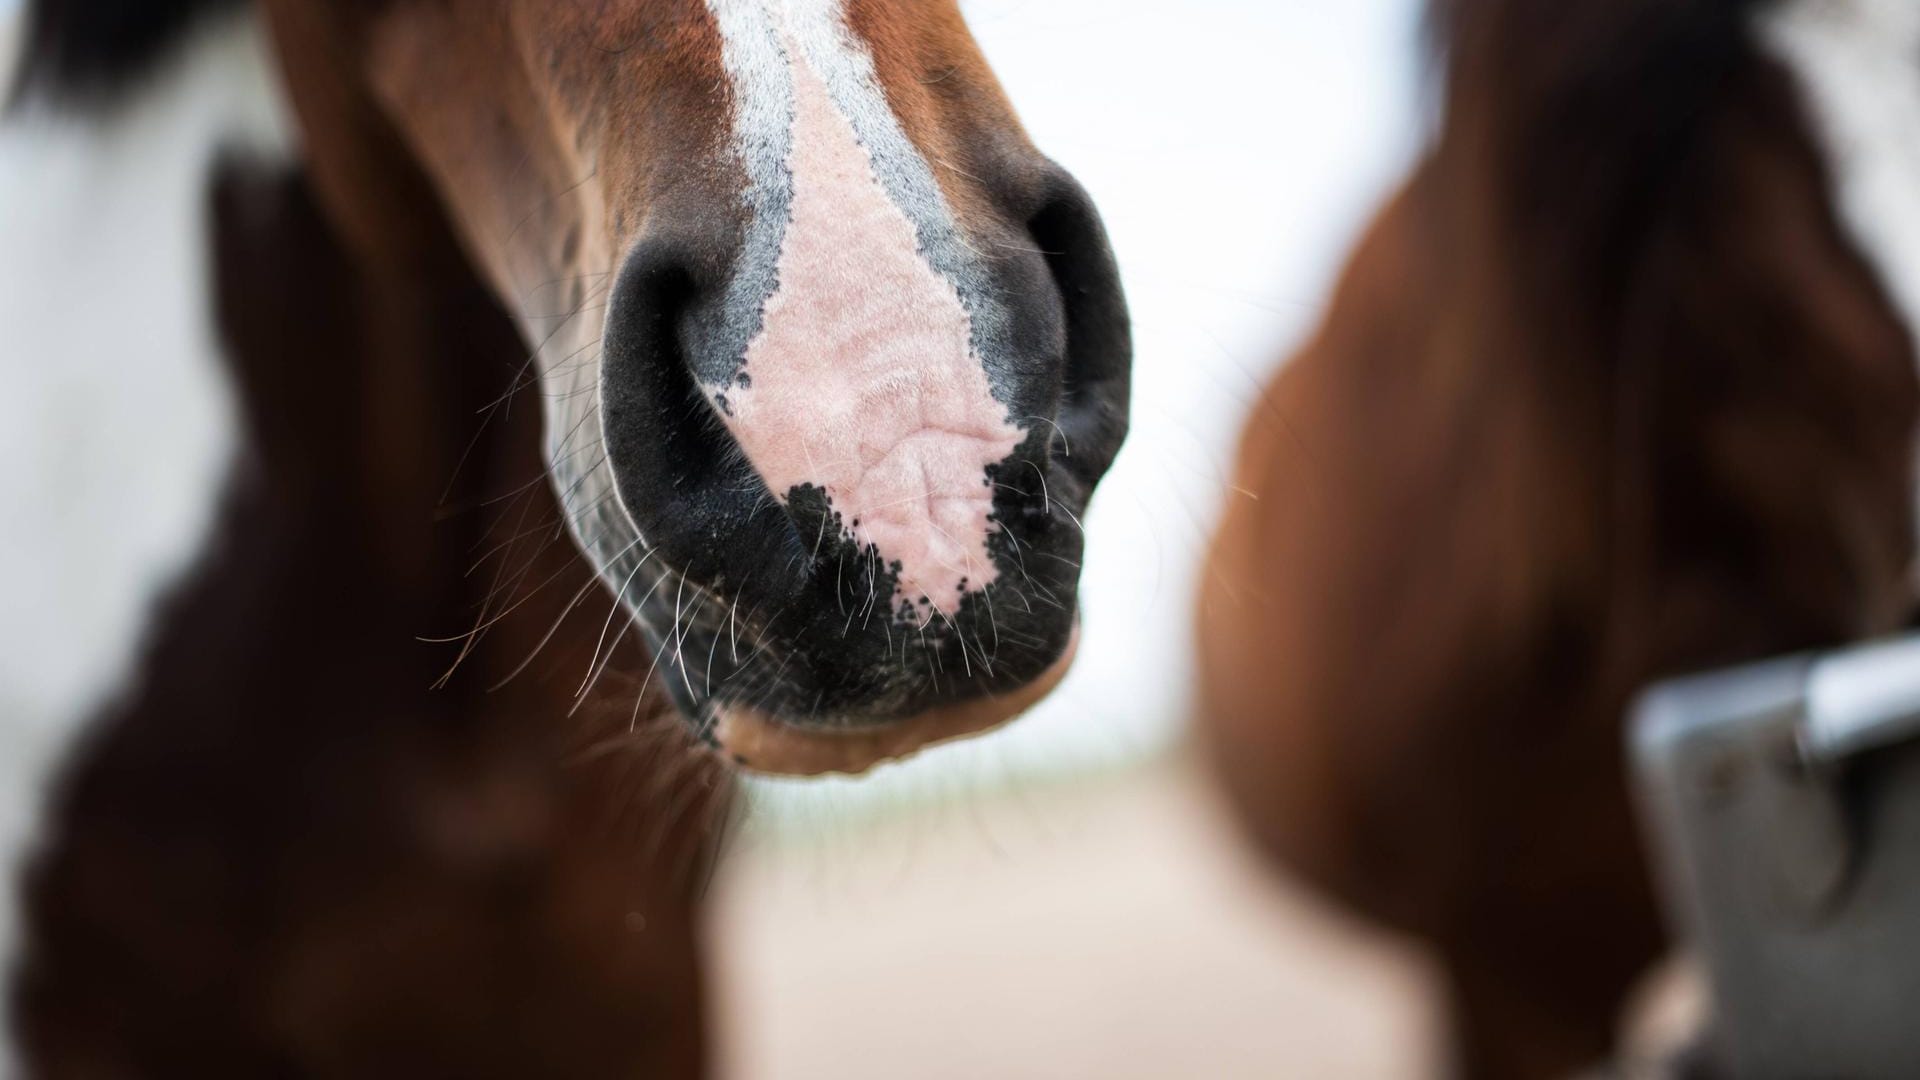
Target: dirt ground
x: 1111, y: 929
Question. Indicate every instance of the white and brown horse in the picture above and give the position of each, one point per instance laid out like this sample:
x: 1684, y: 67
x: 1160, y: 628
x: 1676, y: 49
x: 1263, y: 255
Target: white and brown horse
x: 826, y: 360
x: 1620, y: 385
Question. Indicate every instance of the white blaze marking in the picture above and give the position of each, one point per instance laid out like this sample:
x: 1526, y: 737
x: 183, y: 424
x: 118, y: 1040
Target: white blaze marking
x: 124, y: 428
x: 863, y: 378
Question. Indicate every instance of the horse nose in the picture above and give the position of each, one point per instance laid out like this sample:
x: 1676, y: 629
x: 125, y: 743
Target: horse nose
x: 680, y: 474
x: 1096, y: 374
x: 858, y: 439
x: 756, y: 418
x: 852, y: 422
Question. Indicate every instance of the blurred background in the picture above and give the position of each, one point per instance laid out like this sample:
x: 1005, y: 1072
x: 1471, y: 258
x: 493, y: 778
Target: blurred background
x: 1064, y: 899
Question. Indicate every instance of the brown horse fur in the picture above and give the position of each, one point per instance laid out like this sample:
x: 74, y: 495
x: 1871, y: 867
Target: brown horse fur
x: 287, y: 854
x: 1604, y: 395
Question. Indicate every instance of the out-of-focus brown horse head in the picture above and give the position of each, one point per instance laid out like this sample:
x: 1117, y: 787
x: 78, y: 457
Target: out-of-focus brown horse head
x: 1620, y: 385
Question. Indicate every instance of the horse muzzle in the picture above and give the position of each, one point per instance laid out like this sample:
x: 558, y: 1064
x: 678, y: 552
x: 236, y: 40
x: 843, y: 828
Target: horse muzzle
x: 858, y: 475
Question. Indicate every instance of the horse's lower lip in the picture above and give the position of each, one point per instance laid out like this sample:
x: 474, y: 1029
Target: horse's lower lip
x: 761, y: 743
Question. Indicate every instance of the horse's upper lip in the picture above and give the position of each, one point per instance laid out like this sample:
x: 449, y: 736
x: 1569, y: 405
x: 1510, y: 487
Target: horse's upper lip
x: 763, y: 743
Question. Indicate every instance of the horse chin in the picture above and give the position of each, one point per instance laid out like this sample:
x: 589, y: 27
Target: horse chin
x: 760, y: 742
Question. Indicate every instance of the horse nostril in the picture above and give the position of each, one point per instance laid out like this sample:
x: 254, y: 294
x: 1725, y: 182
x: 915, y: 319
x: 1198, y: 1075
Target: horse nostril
x: 678, y: 471
x: 1096, y: 380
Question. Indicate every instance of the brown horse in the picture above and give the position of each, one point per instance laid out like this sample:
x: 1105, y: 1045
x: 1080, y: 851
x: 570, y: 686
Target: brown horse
x: 1621, y: 384
x: 825, y: 362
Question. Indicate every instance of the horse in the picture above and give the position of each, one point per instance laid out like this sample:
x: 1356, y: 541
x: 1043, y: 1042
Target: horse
x: 467, y: 437
x: 1618, y: 385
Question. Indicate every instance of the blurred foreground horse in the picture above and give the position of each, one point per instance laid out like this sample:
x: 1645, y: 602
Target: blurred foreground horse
x: 826, y: 360
x: 1620, y: 384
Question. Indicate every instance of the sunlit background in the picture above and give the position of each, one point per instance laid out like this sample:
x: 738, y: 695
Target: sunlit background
x: 1062, y: 899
